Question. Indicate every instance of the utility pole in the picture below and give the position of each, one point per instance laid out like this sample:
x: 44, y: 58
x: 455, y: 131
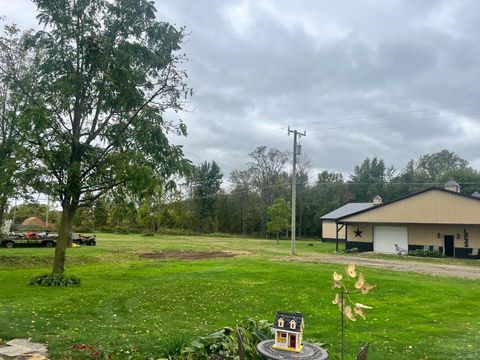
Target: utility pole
x: 294, y: 182
x: 14, y: 211
x: 48, y: 208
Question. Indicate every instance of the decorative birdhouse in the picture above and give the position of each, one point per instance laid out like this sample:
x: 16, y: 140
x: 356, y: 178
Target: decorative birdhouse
x: 288, y: 331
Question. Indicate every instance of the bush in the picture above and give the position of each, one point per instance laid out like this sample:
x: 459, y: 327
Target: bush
x: 84, y: 229
x: 173, y: 345
x: 426, y: 253
x: 176, y: 231
x: 122, y: 230
x: 55, y: 280
x: 223, y: 343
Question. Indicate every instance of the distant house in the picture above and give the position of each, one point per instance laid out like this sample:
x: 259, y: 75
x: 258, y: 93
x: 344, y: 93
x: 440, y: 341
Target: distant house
x: 441, y: 219
x: 32, y: 222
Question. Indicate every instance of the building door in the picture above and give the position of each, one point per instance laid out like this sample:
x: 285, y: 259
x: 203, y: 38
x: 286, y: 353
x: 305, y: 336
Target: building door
x: 449, y: 247
x: 293, y: 341
x: 386, y: 237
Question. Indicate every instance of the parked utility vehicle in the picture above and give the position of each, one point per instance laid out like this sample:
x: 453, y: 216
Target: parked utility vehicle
x: 85, y: 240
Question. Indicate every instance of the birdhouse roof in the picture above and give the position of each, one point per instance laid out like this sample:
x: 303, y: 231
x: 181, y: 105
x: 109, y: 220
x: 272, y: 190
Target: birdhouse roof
x: 287, y: 318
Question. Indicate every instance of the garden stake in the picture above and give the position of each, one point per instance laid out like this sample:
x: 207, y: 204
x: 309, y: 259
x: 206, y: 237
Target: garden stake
x: 342, y: 325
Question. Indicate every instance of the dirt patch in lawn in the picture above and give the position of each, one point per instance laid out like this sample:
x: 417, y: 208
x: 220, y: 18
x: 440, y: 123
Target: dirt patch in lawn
x: 188, y: 255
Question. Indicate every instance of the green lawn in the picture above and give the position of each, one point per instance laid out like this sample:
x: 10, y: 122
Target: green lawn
x: 131, y: 307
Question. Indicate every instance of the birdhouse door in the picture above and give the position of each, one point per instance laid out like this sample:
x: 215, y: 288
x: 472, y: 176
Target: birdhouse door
x: 293, y: 341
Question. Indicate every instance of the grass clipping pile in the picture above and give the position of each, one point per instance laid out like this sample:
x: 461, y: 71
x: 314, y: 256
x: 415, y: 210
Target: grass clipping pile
x: 188, y: 255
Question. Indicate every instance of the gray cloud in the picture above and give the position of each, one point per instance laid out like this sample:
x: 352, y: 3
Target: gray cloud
x: 353, y: 74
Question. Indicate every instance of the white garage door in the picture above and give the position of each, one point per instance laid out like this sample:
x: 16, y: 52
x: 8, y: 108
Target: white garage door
x: 385, y: 238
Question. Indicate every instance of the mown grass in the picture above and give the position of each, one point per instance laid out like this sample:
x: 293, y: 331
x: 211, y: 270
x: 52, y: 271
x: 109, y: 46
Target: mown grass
x: 131, y: 308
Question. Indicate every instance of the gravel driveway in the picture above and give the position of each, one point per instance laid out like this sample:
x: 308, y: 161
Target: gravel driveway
x: 468, y: 272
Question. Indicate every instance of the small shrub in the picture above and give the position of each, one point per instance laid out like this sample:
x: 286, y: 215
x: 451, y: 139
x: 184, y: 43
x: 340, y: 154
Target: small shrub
x: 122, y: 230
x: 84, y: 229
x: 173, y: 345
x: 55, y: 280
x: 426, y: 253
x: 176, y: 231
x: 223, y: 344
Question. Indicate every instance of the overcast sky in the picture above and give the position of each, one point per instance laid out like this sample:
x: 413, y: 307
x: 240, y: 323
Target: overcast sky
x: 393, y: 79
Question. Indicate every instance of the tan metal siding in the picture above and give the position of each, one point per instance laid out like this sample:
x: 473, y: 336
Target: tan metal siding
x: 329, y: 230
x: 366, y: 235
x: 431, y: 207
x: 428, y: 235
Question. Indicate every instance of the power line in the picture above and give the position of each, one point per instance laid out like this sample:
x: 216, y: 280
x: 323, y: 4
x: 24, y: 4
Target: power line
x: 394, y: 122
x: 361, y: 117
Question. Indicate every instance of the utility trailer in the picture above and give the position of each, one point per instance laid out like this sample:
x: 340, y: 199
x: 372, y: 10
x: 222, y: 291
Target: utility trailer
x: 43, y: 239
x: 29, y: 239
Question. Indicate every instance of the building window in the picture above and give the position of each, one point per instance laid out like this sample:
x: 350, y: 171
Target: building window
x: 281, y: 337
x: 293, y: 324
x: 281, y: 323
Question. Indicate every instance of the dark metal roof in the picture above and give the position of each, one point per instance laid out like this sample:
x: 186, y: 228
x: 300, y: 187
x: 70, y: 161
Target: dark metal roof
x: 408, y: 196
x: 287, y: 317
x: 345, y: 210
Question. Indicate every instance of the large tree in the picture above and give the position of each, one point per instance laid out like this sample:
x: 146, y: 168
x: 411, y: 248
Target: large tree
x: 369, y: 179
x: 278, y: 216
x: 267, y: 168
x: 106, y: 72
x: 205, y: 182
x: 268, y: 176
x: 247, y: 202
x: 438, y: 164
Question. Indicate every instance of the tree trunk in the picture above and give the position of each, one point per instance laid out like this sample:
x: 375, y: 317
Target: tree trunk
x: 3, y: 205
x: 64, y: 231
x: 243, y: 220
x: 278, y: 242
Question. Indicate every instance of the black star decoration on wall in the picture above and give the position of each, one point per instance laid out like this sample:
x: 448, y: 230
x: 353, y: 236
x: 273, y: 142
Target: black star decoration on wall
x: 358, y: 232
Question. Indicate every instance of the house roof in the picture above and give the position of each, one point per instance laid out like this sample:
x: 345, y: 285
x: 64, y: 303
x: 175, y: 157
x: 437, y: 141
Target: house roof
x: 476, y: 194
x: 450, y: 183
x: 287, y: 317
x: 33, y: 220
x: 380, y: 206
x: 346, y: 210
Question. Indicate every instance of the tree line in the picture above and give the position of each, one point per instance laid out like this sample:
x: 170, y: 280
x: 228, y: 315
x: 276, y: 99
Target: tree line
x: 255, y: 201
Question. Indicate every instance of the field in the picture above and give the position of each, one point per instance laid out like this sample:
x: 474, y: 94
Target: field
x: 131, y: 307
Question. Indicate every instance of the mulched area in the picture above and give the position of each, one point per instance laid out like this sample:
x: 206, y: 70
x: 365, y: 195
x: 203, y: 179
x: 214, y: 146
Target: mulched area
x: 187, y: 255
